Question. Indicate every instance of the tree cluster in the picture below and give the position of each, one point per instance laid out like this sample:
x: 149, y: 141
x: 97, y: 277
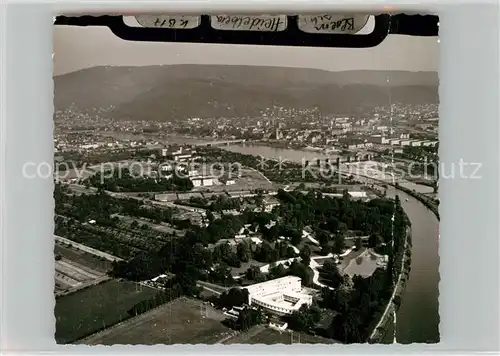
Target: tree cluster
x: 124, y: 181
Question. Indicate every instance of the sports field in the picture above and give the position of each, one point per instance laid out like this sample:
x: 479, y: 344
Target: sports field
x: 83, y: 312
x: 182, y: 321
x: 264, y: 335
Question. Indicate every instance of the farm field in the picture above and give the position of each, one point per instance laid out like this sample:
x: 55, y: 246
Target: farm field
x: 264, y: 335
x: 75, y: 269
x: 70, y: 275
x: 83, y: 312
x: 178, y: 322
x: 94, y: 262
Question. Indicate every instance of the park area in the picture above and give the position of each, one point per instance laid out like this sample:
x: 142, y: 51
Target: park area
x: 182, y: 321
x: 265, y: 335
x: 88, y: 310
x: 364, y: 265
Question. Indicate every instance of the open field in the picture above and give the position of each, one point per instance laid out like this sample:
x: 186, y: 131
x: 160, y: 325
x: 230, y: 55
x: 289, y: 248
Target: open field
x: 178, y: 322
x: 82, y: 257
x: 72, y: 274
x: 76, y: 269
x: 249, y: 180
x: 264, y: 335
x: 83, y: 312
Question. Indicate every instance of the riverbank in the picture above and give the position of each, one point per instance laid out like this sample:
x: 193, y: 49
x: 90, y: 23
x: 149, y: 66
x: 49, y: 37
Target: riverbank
x: 429, y: 203
x: 380, y: 329
x: 421, y: 198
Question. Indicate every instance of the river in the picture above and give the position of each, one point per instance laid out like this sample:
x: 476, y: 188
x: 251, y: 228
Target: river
x: 418, y: 316
x: 286, y: 154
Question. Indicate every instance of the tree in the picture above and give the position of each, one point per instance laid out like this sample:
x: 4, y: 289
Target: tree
x: 338, y: 243
x: 305, y: 318
x: 359, y: 243
x: 295, y: 237
x: 326, y: 249
x: 248, y: 318
x: 253, y: 273
x: 277, y: 271
x: 331, y: 272
x: 300, y: 270
x: 342, y: 300
x: 305, y: 254
x: 244, y: 252
x: 233, y: 297
x: 347, y: 326
x: 375, y: 240
x: 222, y: 274
x: 323, y: 237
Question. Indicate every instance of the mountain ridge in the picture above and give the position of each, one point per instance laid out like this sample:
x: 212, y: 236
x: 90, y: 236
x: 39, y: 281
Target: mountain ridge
x: 162, y: 91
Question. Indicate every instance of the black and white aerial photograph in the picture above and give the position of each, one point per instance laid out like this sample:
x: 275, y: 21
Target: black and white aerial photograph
x: 244, y: 194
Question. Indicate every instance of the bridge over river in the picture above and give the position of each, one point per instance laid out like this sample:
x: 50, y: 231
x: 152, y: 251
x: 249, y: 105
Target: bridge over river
x: 220, y: 143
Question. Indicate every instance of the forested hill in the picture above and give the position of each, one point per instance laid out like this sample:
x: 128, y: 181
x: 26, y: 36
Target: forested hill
x: 170, y: 91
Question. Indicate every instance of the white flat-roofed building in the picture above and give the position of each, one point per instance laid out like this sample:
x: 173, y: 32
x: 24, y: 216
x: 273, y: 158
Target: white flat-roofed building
x: 178, y: 154
x: 203, y: 181
x: 270, y: 204
x: 282, y: 295
x: 358, y: 195
x: 429, y: 143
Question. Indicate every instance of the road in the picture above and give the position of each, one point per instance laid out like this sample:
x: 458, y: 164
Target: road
x: 214, y: 288
x: 388, y: 308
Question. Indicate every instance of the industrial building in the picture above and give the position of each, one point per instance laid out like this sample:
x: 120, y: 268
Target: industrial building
x: 281, y: 296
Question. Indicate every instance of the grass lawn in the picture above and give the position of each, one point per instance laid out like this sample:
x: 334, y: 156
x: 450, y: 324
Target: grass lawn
x: 178, y: 322
x: 83, y: 258
x: 265, y: 335
x: 86, y: 311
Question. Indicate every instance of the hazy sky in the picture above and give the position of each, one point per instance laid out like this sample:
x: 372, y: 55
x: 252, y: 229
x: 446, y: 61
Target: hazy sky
x: 82, y: 47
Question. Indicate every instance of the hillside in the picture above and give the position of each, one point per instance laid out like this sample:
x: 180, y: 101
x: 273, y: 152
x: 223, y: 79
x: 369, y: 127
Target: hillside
x: 161, y: 92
